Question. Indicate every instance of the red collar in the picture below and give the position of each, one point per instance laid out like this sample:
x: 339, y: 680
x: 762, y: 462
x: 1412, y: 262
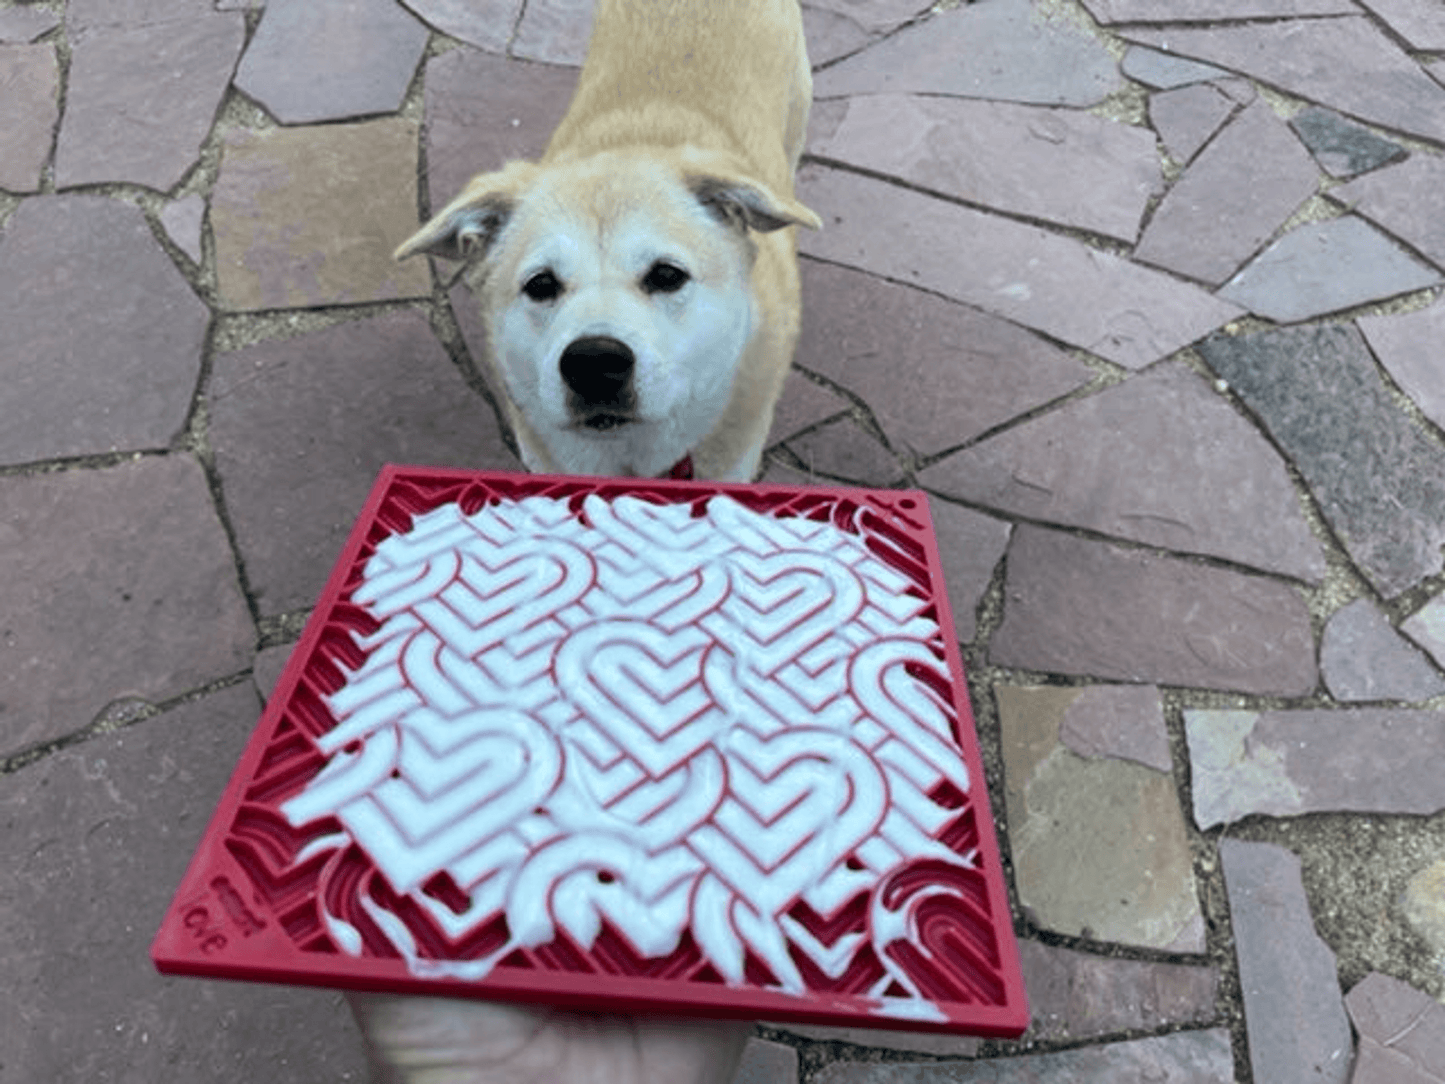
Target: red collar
x: 681, y: 470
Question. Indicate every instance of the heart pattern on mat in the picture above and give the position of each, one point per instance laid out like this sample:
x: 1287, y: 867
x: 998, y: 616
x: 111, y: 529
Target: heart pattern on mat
x: 642, y: 715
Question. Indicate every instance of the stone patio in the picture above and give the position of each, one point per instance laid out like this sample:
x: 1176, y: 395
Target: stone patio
x: 1144, y: 293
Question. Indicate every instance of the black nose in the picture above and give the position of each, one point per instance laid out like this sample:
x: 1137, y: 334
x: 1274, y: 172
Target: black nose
x: 598, y: 370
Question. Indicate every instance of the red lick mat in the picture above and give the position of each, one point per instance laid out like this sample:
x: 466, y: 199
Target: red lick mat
x: 628, y: 745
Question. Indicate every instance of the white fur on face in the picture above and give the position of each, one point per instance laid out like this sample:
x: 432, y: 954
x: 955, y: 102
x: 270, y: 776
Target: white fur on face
x: 687, y: 344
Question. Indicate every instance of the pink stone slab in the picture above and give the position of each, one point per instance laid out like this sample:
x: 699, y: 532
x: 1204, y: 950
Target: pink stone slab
x: 1168, y: 11
x: 1362, y: 657
x: 29, y: 108
x: 1344, y: 63
x: 1070, y: 168
x: 1118, y: 722
x: 1080, y: 607
x: 1230, y: 200
x: 1054, y: 284
x: 183, y: 220
x: 802, y: 405
x: 1401, y: 200
x: 554, y: 31
x: 487, y: 24
x: 20, y: 25
x: 1420, y: 22
x: 1186, y: 117
x: 1159, y: 459
x: 843, y: 450
x: 970, y: 545
x: 1401, y: 1020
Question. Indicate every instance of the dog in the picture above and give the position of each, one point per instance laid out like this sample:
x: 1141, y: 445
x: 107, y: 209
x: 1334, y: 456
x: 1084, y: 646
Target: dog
x: 639, y: 283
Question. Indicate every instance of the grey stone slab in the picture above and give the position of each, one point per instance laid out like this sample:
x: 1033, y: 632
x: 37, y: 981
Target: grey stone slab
x: 1324, y: 267
x: 183, y: 220
x: 1402, y: 1020
x: 312, y: 62
x: 1160, y: 459
x: 311, y: 216
x: 1080, y: 607
x: 970, y: 545
x: 1188, y: 116
x: 301, y: 426
x: 1344, y: 148
x: 1378, y: 479
x: 803, y: 404
x: 1193, y: 11
x: 1400, y: 200
x: 1427, y: 628
x: 766, y: 1062
x: 1099, y: 847
x: 1344, y: 63
x: 487, y: 24
x: 1061, y: 166
x: 1230, y: 200
x: 1118, y: 722
x: 934, y: 373
x: 831, y: 35
x: 483, y: 111
x: 92, y: 360
x: 843, y: 450
x: 81, y: 16
x: 266, y: 670
x: 1005, y: 50
x: 1408, y: 346
x: 554, y: 31
x: 141, y: 99
x: 96, y: 838
x: 115, y: 584
x: 21, y: 25
x: 1090, y: 299
x: 29, y: 108
x: 1285, y: 763
x: 1163, y: 71
x: 874, y: 17
x: 1293, y: 1009
x: 1419, y: 22
x: 1363, y: 658
x: 1187, y: 1057
x: 1376, y: 1063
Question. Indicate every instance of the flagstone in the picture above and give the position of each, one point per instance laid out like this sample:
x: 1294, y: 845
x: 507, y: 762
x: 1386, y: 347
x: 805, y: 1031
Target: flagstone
x: 301, y: 426
x: 843, y: 450
x: 1186, y: 1057
x: 1363, y: 658
x: 1324, y: 267
x: 803, y: 403
x: 140, y: 100
x: 1419, y: 22
x: 1230, y: 200
x: 1377, y: 478
x: 29, y: 109
x: 96, y: 838
x: 1286, y: 763
x: 934, y: 373
x: 554, y: 31
x: 1055, y: 284
x: 267, y: 668
x: 1408, y: 346
x: 1118, y: 722
x: 1293, y: 1010
x: 1344, y: 148
x: 311, y: 216
x: 1062, y: 166
x: 132, y: 563
x: 1193, y: 11
x: 767, y: 1062
x: 21, y: 25
x: 1187, y: 117
x: 1005, y: 50
x: 1099, y: 846
x: 830, y: 35
x: 1426, y: 626
x: 183, y: 220
x: 1073, y: 606
x: 92, y: 361
x: 1402, y: 1032
x: 1403, y: 200
x: 487, y: 24
x: 81, y: 16
x: 312, y: 61
x: 483, y: 111
x: 970, y: 545
x: 1344, y: 63
x: 1162, y: 71
x: 1159, y: 459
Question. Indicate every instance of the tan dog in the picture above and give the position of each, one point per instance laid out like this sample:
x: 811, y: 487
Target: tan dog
x: 639, y: 284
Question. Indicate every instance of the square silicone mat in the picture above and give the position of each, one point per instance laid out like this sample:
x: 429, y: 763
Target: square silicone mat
x: 620, y: 744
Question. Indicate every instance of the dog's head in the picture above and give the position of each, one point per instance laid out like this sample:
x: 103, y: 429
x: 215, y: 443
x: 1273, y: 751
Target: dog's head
x: 616, y: 295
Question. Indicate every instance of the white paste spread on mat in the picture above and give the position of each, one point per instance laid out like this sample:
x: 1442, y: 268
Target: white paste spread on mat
x: 673, y: 723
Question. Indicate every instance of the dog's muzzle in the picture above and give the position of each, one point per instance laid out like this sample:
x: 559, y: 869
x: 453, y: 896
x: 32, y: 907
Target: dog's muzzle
x: 598, y: 374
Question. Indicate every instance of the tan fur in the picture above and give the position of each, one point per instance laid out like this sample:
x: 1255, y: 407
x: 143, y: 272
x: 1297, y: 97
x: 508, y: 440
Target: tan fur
x: 707, y: 95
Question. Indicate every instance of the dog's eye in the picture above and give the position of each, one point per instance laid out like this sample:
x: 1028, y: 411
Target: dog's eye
x: 664, y: 278
x: 543, y: 286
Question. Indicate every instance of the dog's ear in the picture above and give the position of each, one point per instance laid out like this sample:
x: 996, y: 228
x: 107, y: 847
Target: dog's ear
x: 748, y: 204
x: 469, y: 224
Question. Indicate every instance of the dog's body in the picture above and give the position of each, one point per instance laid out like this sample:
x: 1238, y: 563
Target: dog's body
x: 639, y: 284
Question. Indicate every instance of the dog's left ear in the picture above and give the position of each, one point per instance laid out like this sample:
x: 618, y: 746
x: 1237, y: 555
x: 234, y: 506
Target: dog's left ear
x: 738, y: 199
x: 469, y: 224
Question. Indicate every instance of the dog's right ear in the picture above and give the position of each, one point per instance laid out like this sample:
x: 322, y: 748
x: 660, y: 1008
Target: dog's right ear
x: 468, y: 225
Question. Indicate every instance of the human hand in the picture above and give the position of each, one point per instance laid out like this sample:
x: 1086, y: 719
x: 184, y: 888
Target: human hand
x: 431, y: 1040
